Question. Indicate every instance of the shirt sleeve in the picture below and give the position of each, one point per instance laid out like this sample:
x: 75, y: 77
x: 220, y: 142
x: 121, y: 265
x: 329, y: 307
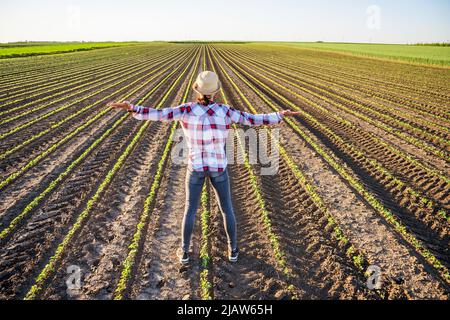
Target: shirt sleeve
x: 249, y: 119
x: 165, y: 114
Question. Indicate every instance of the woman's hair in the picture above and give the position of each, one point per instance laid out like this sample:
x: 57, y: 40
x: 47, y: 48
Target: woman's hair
x: 204, y: 99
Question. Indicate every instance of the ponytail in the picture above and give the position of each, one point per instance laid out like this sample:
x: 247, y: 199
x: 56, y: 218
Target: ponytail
x: 204, y: 100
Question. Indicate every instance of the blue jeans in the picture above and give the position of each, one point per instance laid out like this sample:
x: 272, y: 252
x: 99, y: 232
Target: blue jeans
x: 221, y: 185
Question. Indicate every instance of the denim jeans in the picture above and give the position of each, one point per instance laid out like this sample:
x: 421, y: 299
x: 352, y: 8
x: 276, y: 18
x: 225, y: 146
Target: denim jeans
x: 221, y: 185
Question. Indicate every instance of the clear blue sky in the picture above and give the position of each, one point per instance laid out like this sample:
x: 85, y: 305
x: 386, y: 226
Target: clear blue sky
x: 400, y: 21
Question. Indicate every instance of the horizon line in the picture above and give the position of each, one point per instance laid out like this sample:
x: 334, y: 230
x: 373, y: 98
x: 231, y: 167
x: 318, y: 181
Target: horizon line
x: 225, y: 41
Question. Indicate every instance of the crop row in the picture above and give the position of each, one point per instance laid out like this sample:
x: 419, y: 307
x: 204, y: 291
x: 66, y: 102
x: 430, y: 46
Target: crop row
x: 333, y: 87
x: 312, y: 72
x: 26, y: 79
x: 134, y: 247
x: 353, y: 182
x: 78, y: 129
x: 274, y: 241
x: 396, y: 183
x: 205, y: 282
x: 67, y: 85
x: 51, y: 71
x: 61, y: 82
x: 53, y: 184
x: 52, y: 264
x: 413, y: 140
x: 90, y: 106
x: 404, y: 155
x: 393, y: 81
x: 98, y: 83
x: 355, y: 256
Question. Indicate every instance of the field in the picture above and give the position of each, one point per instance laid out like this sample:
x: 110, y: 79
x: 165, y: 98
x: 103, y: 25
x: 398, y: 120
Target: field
x: 363, y: 180
x: 437, y: 54
x: 25, y: 49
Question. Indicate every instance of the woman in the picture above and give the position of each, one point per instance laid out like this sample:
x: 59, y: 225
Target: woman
x: 206, y: 124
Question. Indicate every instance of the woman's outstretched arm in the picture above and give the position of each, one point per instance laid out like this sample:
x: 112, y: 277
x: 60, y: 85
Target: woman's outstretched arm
x: 145, y: 113
x: 249, y: 119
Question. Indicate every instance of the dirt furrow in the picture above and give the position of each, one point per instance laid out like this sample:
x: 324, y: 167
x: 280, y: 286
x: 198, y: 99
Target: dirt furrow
x: 160, y: 275
x: 409, y: 79
x: 23, y: 156
x: 50, y: 167
x: 326, y: 89
x: 25, y: 252
x: 67, y: 107
x: 65, y: 79
x: 100, y: 246
x: 407, y: 147
x: 30, y: 150
x: 256, y: 275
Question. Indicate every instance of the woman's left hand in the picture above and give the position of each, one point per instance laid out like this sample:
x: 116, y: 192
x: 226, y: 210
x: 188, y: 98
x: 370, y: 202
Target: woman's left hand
x: 119, y: 105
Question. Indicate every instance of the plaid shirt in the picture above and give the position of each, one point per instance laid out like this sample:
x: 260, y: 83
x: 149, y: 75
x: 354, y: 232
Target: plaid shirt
x: 206, y: 129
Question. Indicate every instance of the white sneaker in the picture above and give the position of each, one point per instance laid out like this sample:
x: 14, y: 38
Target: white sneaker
x: 233, y: 255
x: 183, y: 256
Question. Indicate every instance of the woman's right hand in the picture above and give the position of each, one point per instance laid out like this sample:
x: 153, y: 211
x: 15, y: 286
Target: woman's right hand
x: 289, y: 113
x: 120, y: 105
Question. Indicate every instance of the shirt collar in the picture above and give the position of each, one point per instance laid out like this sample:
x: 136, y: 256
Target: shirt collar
x: 200, y: 109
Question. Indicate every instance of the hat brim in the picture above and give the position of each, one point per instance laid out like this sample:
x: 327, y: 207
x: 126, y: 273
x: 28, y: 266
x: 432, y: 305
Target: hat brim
x: 206, y: 93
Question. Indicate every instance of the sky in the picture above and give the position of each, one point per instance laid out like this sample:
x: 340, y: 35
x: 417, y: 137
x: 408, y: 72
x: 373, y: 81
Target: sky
x: 377, y: 21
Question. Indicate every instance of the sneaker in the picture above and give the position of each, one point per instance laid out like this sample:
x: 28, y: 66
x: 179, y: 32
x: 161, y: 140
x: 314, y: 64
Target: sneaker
x: 233, y: 255
x: 183, y: 256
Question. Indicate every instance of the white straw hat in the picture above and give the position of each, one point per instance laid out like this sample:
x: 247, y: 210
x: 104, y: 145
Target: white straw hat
x: 207, y: 83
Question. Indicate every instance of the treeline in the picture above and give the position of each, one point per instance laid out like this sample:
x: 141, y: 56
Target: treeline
x: 436, y: 44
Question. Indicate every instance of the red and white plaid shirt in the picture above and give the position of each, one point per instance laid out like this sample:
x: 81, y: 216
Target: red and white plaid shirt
x: 206, y: 129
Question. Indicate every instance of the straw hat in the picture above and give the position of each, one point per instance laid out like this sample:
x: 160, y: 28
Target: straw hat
x: 207, y: 83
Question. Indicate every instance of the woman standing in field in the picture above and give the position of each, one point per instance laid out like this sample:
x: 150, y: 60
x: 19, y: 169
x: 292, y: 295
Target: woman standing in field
x: 206, y: 124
